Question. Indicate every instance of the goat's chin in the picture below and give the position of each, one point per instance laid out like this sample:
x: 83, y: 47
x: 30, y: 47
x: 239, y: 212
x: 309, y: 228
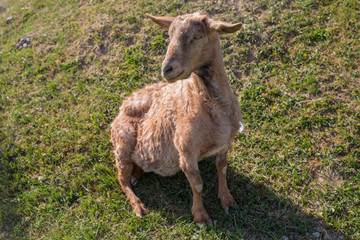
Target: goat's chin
x: 181, y: 76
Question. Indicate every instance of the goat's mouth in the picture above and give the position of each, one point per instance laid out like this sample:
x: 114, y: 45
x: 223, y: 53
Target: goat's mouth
x: 173, y: 79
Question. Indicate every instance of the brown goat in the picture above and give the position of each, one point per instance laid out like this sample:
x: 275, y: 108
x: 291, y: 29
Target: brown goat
x: 168, y: 127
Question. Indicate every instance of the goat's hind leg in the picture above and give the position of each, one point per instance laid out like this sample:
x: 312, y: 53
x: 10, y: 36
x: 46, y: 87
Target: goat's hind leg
x: 125, y: 175
x: 123, y: 136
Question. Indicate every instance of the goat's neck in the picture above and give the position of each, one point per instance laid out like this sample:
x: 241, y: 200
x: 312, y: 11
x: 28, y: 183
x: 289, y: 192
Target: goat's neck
x: 214, y: 77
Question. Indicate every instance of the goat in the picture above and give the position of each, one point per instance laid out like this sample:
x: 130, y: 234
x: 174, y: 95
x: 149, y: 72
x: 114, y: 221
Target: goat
x: 169, y: 127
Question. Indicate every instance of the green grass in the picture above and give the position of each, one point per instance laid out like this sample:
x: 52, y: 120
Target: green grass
x: 295, y: 172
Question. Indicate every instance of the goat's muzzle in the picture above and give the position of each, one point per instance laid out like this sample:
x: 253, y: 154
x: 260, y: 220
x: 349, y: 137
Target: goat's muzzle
x: 171, y: 70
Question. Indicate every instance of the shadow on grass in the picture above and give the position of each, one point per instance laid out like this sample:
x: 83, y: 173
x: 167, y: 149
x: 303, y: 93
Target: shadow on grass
x: 260, y: 213
x: 9, y: 205
x: 9, y: 217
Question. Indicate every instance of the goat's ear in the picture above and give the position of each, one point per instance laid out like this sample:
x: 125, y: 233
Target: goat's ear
x: 164, y: 22
x: 224, y: 28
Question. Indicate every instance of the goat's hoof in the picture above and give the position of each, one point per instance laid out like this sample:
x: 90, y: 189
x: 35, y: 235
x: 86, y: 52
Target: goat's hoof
x: 209, y: 222
x: 134, y: 180
x: 226, y: 201
x: 136, y: 175
x: 140, y: 210
x: 201, y: 218
x: 226, y: 210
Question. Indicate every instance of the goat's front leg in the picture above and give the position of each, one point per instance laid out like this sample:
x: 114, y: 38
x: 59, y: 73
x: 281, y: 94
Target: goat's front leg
x: 190, y: 167
x: 224, y: 193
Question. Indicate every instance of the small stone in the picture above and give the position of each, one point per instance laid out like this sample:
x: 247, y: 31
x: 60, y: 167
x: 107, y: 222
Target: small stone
x: 316, y: 234
x: 285, y: 238
x: 9, y: 19
x: 23, y: 42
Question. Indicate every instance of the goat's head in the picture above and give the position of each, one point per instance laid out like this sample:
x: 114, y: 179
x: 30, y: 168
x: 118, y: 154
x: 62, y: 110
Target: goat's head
x: 192, y: 38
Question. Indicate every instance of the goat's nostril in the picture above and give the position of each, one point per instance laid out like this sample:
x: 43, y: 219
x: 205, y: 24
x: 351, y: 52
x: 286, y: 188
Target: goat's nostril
x: 168, y: 69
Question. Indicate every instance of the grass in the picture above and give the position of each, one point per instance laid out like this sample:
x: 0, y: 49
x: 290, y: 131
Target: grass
x: 295, y: 173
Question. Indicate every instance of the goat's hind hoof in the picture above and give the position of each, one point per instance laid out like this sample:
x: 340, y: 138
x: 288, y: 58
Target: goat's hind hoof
x: 136, y: 175
x: 140, y: 210
x: 134, y: 180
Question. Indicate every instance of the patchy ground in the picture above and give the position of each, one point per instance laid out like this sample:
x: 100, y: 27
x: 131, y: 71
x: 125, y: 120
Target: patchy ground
x: 294, y: 173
